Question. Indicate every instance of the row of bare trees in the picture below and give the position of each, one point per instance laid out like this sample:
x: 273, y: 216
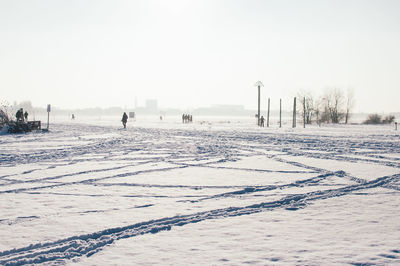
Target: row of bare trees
x: 334, y: 106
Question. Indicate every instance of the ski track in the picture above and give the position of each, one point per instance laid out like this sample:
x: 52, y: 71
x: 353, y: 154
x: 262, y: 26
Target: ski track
x: 202, y: 149
x: 91, y: 243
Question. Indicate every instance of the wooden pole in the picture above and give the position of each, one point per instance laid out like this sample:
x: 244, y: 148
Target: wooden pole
x: 294, y: 113
x: 48, y: 115
x: 304, y: 112
x: 258, y: 113
x: 280, y: 112
x: 268, y: 112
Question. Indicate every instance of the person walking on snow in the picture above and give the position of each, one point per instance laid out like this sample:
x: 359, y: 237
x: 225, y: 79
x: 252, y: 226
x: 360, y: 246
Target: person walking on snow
x: 124, y: 119
x: 20, y: 115
x: 262, y: 121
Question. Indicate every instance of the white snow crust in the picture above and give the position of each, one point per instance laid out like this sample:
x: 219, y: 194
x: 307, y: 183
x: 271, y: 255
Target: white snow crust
x: 218, y: 191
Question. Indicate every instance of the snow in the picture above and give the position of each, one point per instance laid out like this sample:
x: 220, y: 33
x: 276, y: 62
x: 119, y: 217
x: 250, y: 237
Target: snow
x: 213, y: 192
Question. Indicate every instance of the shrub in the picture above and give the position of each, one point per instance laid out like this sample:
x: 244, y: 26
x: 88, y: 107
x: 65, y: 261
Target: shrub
x: 377, y: 119
x: 373, y: 119
x: 388, y: 119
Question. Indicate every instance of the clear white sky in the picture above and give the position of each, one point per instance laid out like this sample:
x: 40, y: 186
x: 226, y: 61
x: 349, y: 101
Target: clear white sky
x: 79, y: 53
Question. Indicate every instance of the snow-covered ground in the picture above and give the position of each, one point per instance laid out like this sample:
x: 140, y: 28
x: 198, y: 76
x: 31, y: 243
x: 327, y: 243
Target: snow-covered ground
x: 218, y: 191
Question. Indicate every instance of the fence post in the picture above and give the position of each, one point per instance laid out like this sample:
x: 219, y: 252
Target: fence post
x: 304, y: 112
x: 48, y: 115
x: 280, y: 112
x: 268, y: 113
x: 294, y: 113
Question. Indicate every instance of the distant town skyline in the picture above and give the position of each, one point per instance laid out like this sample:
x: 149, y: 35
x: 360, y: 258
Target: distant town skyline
x: 190, y: 54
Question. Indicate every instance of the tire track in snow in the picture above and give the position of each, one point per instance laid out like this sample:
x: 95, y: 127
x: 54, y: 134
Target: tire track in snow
x: 312, y: 168
x: 90, y: 244
x: 251, y: 169
x: 38, y: 180
x: 252, y: 189
x: 91, y: 181
x: 320, y: 170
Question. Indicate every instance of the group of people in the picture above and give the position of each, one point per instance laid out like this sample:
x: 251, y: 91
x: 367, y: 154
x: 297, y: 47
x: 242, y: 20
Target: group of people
x: 21, y: 116
x: 187, y: 118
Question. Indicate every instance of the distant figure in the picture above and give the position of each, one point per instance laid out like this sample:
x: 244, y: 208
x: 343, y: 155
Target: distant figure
x: 26, y: 116
x: 160, y: 117
x: 124, y: 119
x: 262, y: 121
x: 20, y: 115
x: 73, y: 117
x: 186, y: 118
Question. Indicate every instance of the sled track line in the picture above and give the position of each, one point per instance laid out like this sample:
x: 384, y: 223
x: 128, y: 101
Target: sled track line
x: 90, y: 244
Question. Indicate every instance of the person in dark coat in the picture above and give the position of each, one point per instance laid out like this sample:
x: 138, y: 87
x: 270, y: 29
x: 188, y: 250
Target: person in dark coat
x: 124, y: 119
x: 262, y: 121
x: 20, y: 115
x: 26, y: 116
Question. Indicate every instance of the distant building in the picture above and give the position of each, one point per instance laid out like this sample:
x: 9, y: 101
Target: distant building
x: 223, y: 110
x: 151, y: 105
x: 229, y: 107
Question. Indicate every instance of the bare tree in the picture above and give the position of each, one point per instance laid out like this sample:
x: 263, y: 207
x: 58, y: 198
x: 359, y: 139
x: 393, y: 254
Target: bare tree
x: 307, y: 107
x: 334, y: 103
x: 320, y: 111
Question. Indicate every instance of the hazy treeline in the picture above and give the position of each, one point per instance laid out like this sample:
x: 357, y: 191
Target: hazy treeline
x: 333, y: 106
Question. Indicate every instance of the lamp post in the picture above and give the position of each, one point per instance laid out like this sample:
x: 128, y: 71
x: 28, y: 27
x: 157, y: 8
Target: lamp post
x: 259, y: 85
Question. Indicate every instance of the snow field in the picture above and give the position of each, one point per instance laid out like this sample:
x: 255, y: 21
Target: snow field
x: 170, y: 194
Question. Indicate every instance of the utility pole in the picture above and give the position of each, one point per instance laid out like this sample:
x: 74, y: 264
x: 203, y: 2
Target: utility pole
x: 268, y: 113
x: 280, y: 112
x: 259, y: 85
x: 294, y: 113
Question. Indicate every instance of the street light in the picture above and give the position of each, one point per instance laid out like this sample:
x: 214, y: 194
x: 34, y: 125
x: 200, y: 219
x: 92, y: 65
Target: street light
x: 259, y: 85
